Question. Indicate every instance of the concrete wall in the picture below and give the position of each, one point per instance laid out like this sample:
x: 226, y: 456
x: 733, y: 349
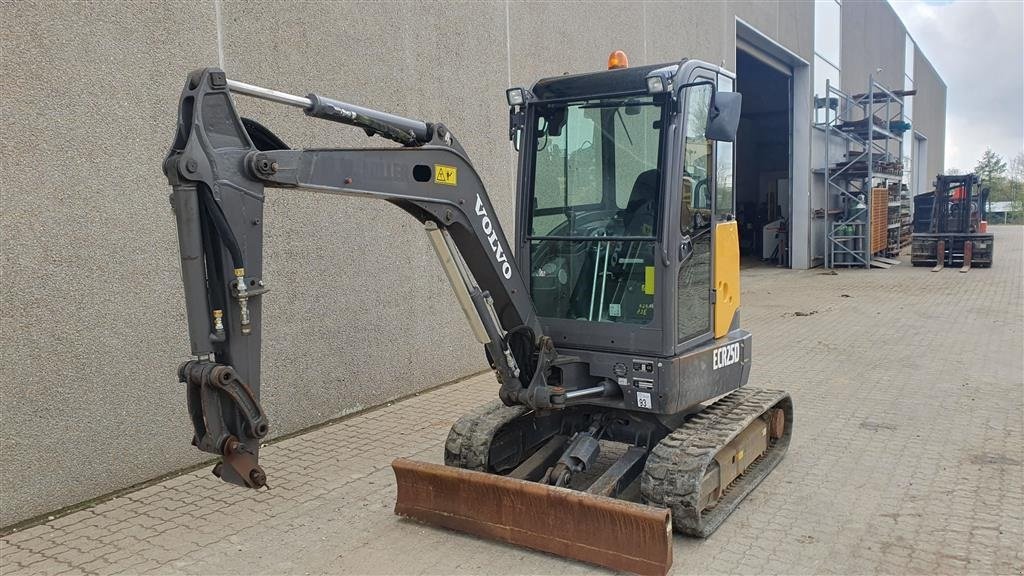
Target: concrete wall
x: 91, y: 315
x: 92, y: 319
x: 930, y: 115
x: 872, y: 37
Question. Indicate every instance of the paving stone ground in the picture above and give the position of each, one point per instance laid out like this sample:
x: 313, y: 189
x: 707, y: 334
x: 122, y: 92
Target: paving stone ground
x: 907, y: 456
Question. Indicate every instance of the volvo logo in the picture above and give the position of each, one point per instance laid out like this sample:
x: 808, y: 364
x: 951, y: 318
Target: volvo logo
x: 492, y: 238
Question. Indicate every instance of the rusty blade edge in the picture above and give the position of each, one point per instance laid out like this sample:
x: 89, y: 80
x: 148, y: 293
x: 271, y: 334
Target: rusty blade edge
x: 560, y: 547
x: 436, y: 495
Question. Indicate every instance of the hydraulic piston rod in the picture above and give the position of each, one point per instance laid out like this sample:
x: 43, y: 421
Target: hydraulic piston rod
x: 458, y: 278
x: 404, y: 130
x: 268, y: 94
x: 606, y: 388
x: 585, y: 392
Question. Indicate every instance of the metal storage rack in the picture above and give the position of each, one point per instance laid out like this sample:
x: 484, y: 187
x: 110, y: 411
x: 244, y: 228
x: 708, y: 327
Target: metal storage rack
x: 870, y: 126
x: 906, y: 219
x: 894, y: 222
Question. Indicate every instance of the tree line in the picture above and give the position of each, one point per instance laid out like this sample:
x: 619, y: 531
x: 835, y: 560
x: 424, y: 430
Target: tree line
x: 1005, y: 181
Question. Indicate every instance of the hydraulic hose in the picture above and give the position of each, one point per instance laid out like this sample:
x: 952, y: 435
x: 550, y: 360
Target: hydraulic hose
x: 521, y: 340
x: 213, y: 255
x: 220, y: 223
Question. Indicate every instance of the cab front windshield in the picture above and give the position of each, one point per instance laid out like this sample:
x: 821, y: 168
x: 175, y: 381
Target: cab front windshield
x: 595, y: 209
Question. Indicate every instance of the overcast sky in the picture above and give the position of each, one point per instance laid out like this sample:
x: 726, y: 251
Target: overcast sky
x: 978, y: 49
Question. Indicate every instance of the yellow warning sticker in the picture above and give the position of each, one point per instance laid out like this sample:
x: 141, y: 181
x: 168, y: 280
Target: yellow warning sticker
x: 649, y: 280
x: 445, y: 174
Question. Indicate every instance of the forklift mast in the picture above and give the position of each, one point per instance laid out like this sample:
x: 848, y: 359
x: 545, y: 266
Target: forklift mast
x: 959, y: 203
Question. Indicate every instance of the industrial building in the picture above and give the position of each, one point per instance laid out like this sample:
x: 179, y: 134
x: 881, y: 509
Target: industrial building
x: 92, y: 297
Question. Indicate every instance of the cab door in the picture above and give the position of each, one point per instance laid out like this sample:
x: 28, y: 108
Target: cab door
x: 696, y: 208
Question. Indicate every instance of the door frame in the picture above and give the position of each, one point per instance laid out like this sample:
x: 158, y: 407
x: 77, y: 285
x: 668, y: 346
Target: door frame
x: 761, y: 46
x: 695, y: 74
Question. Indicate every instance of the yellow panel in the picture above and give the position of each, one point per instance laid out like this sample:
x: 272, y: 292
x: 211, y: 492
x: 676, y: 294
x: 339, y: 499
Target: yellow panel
x: 727, y: 276
x: 649, y: 280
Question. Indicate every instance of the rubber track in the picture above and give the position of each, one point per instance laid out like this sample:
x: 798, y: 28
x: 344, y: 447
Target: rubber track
x: 676, y: 467
x: 469, y: 441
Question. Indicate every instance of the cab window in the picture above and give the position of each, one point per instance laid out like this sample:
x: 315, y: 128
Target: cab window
x: 696, y: 205
x: 594, y: 215
x: 696, y: 193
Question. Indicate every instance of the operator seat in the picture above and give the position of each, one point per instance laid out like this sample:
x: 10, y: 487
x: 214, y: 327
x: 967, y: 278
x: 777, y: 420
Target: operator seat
x: 628, y: 291
x: 642, y: 205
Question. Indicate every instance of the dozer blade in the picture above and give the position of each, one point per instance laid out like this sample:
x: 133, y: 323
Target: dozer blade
x: 604, y: 531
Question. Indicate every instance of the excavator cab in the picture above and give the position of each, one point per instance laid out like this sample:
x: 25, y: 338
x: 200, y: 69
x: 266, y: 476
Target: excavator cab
x: 626, y: 231
x: 611, y: 320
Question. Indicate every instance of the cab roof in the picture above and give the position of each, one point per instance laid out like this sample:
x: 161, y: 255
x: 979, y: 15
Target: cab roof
x: 591, y: 84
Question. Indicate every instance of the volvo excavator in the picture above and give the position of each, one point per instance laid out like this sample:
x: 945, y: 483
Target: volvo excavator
x: 611, y: 321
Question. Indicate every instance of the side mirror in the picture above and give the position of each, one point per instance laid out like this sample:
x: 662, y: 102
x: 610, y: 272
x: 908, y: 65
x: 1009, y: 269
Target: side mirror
x: 724, y: 116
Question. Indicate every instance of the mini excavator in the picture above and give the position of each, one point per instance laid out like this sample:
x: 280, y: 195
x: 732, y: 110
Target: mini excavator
x: 611, y: 324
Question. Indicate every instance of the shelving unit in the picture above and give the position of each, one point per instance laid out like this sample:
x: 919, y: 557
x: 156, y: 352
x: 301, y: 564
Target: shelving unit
x: 870, y: 127
x: 894, y: 224
x: 906, y: 219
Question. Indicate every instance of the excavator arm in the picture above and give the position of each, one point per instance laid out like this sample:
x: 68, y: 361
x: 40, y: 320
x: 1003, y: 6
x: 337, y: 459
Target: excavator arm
x: 219, y: 167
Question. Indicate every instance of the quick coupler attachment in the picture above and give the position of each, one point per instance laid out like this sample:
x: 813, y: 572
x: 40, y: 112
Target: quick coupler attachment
x: 227, y: 420
x: 239, y: 466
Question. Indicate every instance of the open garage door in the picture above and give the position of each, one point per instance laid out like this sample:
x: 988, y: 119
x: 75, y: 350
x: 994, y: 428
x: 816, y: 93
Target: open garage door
x: 764, y: 147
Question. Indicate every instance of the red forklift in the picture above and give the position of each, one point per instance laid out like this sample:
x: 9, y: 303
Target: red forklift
x: 949, y: 225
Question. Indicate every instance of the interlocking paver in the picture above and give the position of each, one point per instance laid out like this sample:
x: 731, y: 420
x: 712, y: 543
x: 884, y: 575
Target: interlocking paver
x: 907, y: 457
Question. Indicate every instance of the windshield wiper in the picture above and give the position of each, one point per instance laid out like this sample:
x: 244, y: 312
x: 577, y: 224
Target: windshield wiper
x: 618, y: 113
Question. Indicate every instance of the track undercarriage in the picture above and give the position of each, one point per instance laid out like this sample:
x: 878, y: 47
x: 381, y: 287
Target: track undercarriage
x: 694, y: 473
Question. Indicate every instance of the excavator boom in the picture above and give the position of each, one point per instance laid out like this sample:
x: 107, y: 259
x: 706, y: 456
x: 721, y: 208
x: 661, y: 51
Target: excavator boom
x: 219, y: 167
